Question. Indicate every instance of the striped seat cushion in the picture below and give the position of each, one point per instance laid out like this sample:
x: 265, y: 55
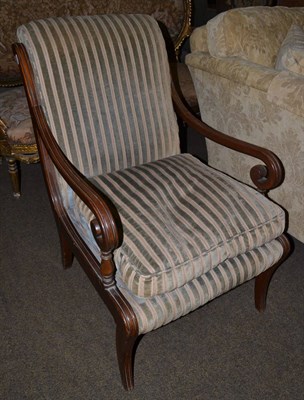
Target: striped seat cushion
x: 180, y: 219
x: 157, y: 311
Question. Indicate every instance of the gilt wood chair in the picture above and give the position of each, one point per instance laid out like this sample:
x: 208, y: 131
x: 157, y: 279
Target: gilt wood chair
x: 158, y: 233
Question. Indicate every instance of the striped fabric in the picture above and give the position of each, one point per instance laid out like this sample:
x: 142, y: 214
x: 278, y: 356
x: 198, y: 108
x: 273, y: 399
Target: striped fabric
x: 181, y: 219
x: 157, y: 311
x: 106, y: 94
x: 190, y: 232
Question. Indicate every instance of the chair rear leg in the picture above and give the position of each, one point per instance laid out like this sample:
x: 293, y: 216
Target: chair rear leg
x: 126, y: 345
x: 262, y: 281
x: 66, y: 252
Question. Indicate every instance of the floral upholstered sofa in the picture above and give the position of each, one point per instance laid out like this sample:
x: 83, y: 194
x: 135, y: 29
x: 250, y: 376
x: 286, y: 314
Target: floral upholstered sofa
x: 248, y: 70
x: 17, y: 141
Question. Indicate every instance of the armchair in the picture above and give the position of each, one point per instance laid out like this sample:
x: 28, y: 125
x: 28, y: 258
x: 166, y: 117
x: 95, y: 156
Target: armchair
x: 243, y: 91
x: 17, y: 139
x: 158, y: 233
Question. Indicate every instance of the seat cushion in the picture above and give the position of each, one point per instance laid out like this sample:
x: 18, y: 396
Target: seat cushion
x: 157, y: 311
x: 180, y: 220
x: 15, y: 113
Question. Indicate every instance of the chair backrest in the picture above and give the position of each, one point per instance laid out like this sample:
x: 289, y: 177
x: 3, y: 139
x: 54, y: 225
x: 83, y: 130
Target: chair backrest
x: 104, y: 85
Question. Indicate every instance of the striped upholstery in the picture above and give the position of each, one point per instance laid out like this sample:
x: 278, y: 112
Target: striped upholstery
x: 156, y: 311
x: 190, y: 232
x: 106, y: 94
x: 180, y: 220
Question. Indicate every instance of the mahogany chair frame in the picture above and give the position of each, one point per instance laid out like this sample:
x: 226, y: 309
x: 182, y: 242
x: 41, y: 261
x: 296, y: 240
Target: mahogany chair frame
x: 106, y: 226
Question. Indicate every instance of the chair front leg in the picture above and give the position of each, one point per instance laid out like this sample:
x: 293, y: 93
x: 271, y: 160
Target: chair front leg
x: 126, y: 345
x: 262, y: 281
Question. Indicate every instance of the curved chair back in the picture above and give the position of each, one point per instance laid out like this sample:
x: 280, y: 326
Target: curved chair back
x: 97, y: 81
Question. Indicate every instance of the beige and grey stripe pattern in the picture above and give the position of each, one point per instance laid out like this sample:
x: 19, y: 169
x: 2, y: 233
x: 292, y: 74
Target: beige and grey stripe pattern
x: 157, y: 311
x: 190, y: 233
x: 180, y: 220
x: 106, y: 94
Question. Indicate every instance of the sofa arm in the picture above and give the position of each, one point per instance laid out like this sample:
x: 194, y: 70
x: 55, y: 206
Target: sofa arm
x: 198, y: 39
x: 233, y: 68
x: 287, y: 91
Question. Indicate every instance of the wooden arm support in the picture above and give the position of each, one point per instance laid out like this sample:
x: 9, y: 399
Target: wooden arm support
x: 265, y: 177
x: 106, y: 227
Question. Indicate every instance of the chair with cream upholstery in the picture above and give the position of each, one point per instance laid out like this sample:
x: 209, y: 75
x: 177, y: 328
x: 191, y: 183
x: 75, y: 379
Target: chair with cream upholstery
x: 158, y: 233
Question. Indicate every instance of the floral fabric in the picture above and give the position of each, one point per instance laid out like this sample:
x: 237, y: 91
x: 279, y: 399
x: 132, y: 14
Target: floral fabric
x: 235, y: 69
x: 16, y: 13
x: 246, y: 113
x: 255, y: 102
x: 16, y: 116
x: 198, y: 39
x: 287, y: 91
x: 291, y: 54
x: 254, y: 33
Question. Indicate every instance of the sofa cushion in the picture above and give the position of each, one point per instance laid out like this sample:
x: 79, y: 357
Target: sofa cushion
x: 253, y: 33
x: 291, y: 54
x: 177, y: 223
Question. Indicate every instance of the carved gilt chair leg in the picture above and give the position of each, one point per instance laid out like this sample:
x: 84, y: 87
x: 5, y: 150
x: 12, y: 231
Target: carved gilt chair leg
x: 13, y: 169
x: 262, y: 281
x: 125, y: 347
x: 66, y: 252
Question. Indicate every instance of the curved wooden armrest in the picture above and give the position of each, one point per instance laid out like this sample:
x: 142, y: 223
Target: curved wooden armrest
x: 265, y: 177
x: 106, y: 226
